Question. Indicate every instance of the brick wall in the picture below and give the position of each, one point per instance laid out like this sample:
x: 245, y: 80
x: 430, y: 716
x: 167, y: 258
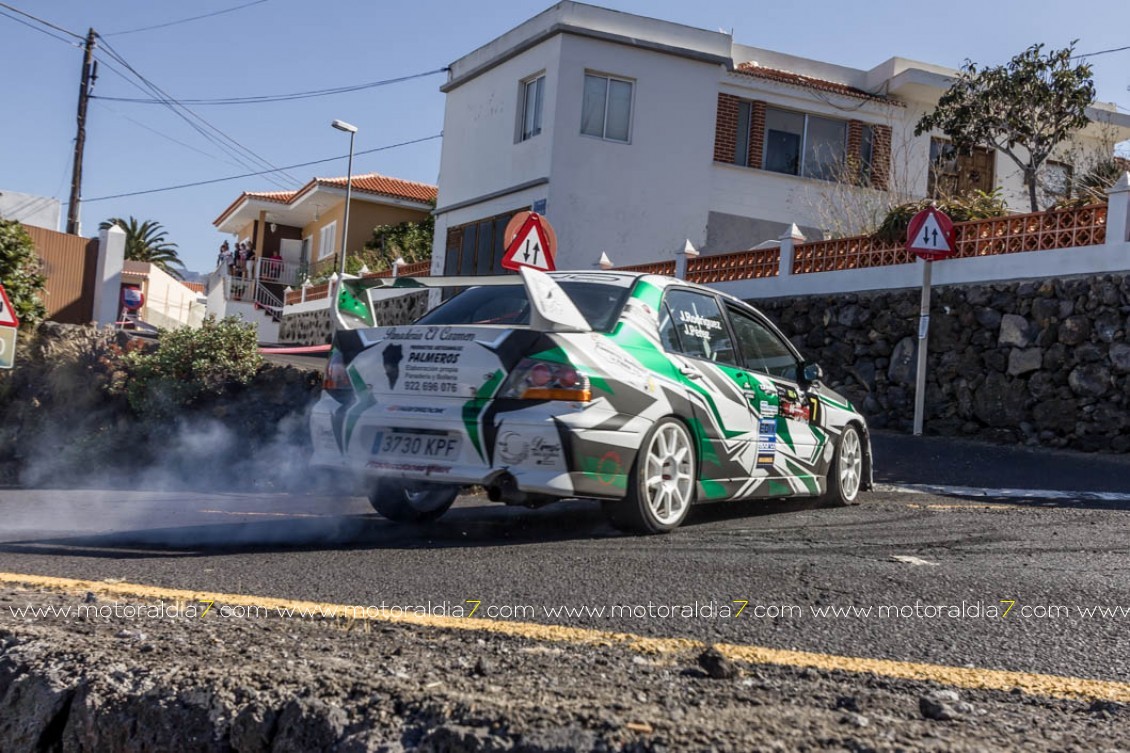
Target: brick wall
x: 881, y: 158
x: 726, y: 128
x: 756, y: 134
x: 854, y: 150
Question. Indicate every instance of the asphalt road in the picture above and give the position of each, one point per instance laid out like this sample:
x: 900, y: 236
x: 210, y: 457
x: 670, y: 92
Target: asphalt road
x: 916, y: 554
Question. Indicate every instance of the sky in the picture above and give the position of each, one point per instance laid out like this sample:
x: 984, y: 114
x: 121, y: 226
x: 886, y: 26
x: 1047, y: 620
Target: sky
x: 251, y: 48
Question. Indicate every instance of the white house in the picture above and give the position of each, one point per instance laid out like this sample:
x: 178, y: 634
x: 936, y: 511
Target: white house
x: 38, y: 211
x: 632, y: 135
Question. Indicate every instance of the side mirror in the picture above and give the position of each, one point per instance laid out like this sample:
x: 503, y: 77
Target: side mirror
x: 811, y: 372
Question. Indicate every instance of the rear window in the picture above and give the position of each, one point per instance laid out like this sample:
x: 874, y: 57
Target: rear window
x: 508, y: 305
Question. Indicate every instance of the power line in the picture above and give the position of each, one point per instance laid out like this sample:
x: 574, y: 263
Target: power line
x: 263, y: 172
x: 183, y: 20
x: 165, y: 136
x: 188, y: 115
x: 1101, y: 52
x: 234, y: 156
x: 39, y: 20
x: 40, y: 29
x: 280, y: 97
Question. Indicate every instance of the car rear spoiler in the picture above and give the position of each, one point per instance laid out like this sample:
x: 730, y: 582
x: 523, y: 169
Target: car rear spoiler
x: 551, y: 308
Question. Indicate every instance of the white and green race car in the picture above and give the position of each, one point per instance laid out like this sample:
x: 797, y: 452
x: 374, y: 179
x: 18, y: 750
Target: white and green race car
x: 647, y: 392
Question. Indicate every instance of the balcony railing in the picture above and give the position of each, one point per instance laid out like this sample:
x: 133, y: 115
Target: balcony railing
x: 318, y: 292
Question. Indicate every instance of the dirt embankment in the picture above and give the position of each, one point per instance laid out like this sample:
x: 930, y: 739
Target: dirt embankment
x: 271, y: 683
x: 63, y: 423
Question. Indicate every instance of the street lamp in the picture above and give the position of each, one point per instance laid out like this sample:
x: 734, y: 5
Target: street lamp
x: 341, y: 125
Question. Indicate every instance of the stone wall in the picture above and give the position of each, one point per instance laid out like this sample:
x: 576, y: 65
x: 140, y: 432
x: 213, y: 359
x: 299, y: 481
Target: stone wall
x: 1039, y: 363
x: 316, y: 327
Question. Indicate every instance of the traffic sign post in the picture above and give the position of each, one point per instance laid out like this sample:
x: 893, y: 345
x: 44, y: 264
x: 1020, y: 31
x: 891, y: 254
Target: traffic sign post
x: 930, y: 236
x: 7, y: 347
x: 530, y: 242
x: 8, y: 331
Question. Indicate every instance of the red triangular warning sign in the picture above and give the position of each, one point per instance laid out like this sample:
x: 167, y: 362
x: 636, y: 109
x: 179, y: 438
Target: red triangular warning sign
x: 530, y: 248
x: 7, y: 313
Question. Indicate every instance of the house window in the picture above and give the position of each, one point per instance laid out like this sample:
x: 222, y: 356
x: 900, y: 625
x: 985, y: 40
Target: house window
x: 606, y: 111
x: 477, y: 248
x: 955, y: 174
x: 806, y: 145
x: 531, y: 107
x: 326, y: 240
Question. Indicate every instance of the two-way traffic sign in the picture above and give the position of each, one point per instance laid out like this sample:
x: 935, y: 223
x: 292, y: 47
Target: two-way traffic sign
x: 532, y: 244
x: 930, y: 235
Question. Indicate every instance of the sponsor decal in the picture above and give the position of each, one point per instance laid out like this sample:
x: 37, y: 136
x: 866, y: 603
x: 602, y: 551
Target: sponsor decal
x: 696, y: 325
x: 512, y: 448
x: 433, y: 357
x: 392, y: 355
x: 609, y: 467
x: 796, y: 411
x: 427, y: 470
x: 545, y: 452
x: 611, y: 356
x: 766, y: 442
x: 413, y: 409
x: 816, y: 415
x: 768, y: 409
x: 791, y: 405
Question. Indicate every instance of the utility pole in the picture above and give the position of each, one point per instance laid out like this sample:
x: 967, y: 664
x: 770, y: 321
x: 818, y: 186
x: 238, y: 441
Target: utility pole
x: 88, y: 77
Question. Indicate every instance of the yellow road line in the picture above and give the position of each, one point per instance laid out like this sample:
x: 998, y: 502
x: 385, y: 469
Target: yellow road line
x: 1074, y: 688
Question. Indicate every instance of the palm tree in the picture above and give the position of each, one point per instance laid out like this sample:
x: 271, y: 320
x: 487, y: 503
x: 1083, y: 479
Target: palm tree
x: 147, y: 241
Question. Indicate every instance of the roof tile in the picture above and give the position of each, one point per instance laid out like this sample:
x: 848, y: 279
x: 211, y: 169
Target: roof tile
x: 809, y: 82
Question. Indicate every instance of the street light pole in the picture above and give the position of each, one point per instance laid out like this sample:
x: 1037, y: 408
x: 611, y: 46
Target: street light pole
x: 341, y: 125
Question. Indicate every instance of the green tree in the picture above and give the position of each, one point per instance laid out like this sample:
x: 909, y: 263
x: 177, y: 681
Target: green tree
x: 20, y: 273
x: 1023, y: 109
x: 148, y: 241
x: 411, y: 241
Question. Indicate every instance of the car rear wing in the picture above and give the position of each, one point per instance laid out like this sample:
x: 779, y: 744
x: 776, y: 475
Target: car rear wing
x: 551, y: 309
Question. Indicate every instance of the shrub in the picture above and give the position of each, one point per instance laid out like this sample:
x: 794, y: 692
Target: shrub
x: 20, y: 273
x: 975, y: 205
x: 189, y: 365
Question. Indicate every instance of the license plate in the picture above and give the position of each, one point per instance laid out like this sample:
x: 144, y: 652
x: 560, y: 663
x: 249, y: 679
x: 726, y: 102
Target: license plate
x: 416, y: 445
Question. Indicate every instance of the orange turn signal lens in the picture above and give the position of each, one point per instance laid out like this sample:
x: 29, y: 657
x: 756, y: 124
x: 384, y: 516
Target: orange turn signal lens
x: 582, y: 396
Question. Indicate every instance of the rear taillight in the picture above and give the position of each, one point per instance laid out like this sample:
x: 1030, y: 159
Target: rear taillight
x: 335, y: 377
x: 533, y: 379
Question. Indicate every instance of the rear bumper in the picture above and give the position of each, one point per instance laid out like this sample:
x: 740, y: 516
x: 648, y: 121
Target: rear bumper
x: 550, y: 448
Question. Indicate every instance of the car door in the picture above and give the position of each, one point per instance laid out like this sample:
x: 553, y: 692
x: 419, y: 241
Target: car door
x: 694, y: 330
x: 784, y: 406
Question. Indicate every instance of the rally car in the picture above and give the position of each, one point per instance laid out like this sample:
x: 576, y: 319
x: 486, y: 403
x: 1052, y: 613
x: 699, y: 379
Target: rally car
x: 646, y: 392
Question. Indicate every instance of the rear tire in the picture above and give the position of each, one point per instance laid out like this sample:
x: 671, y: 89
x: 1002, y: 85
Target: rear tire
x: 661, y: 485
x: 411, y: 501
x: 845, y: 477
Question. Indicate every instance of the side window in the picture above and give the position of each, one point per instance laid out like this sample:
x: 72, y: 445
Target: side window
x: 668, y: 332
x: 698, y: 326
x: 761, y: 348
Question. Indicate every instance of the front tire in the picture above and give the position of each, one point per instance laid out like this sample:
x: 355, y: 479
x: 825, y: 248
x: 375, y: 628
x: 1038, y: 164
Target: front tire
x: 411, y: 501
x: 661, y: 485
x: 845, y: 477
